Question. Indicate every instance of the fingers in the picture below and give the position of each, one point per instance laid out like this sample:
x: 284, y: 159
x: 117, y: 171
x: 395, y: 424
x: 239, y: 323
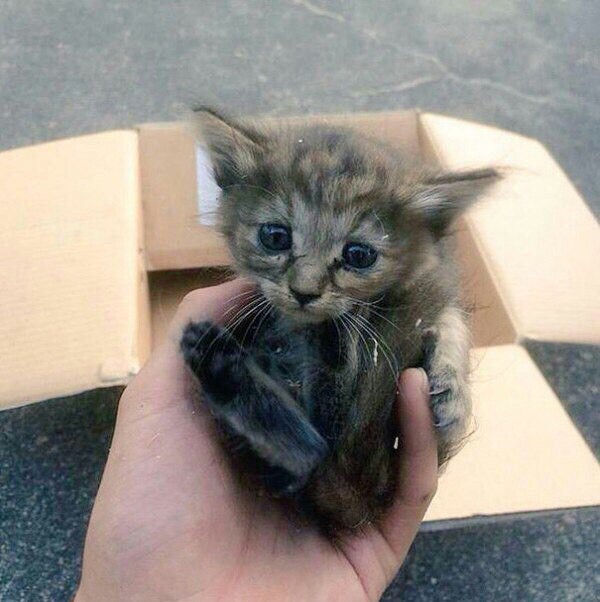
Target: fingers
x: 418, y: 463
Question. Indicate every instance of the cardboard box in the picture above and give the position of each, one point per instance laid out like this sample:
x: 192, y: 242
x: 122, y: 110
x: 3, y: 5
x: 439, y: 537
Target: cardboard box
x: 100, y: 239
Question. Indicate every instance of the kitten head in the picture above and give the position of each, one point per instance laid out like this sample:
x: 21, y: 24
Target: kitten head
x: 324, y: 219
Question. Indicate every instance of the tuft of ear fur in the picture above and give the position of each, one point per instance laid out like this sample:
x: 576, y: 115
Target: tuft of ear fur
x: 445, y: 197
x: 232, y: 146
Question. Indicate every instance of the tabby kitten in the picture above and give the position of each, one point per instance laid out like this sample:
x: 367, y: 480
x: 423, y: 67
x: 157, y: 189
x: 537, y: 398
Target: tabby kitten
x: 346, y: 242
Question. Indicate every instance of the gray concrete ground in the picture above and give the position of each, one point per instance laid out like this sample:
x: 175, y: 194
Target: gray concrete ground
x: 74, y: 66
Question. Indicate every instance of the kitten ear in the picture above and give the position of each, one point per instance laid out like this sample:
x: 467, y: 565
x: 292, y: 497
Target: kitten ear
x: 444, y: 197
x: 233, y: 147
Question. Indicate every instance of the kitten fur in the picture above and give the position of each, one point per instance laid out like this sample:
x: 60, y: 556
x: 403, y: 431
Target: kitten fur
x: 302, y: 380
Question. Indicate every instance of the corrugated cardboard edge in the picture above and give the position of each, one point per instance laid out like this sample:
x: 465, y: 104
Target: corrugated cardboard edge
x: 143, y: 325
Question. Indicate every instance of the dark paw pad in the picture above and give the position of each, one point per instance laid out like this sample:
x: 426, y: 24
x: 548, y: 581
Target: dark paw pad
x: 210, y: 351
x: 197, y: 339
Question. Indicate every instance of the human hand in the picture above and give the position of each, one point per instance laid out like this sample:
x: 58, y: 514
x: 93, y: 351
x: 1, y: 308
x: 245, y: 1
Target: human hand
x: 170, y: 521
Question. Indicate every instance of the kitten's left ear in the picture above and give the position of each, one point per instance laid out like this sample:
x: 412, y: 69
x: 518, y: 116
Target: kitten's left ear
x: 233, y: 147
x: 444, y: 197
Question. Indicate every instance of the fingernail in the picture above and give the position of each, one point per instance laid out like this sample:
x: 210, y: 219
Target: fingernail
x: 424, y: 381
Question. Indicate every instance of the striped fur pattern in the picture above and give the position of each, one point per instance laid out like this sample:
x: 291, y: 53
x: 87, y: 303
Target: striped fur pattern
x: 304, y: 393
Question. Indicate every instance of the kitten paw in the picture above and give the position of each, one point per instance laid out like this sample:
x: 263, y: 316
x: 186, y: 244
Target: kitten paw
x: 213, y: 355
x: 447, y: 401
x: 254, y: 412
x: 448, y: 394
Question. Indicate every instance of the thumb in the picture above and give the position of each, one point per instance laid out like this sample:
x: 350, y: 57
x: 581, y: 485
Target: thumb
x: 417, y: 463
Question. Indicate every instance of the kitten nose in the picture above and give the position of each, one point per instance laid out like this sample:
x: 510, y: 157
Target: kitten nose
x: 304, y: 298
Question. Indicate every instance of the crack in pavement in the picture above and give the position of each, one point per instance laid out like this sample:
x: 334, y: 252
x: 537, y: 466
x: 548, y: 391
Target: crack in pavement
x: 401, y: 87
x: 445, y: 72
x: 320, y: 12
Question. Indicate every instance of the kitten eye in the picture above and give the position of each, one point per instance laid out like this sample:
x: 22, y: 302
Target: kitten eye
x: 275, y: 237
x: 359, y: 255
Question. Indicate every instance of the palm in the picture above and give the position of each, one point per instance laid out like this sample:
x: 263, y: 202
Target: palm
x: 171, y: 523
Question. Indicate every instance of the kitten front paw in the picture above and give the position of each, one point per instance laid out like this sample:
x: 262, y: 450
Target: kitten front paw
x: 447, y: 400
x: 213, y: 356
x: 451, y: 407
x: 449, y: 397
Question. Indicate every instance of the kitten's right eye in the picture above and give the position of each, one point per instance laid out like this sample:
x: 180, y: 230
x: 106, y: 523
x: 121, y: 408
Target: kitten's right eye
x: 275, y: 237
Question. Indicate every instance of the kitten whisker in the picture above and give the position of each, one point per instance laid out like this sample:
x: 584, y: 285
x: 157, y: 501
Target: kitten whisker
x: 265, y: 307
x: 233, y: 321
x: 375, y: 312
x: 259, y: 304
x: 378, y: 314
x: 351, y: 340
x: 245, y: 301
x: 245, y: 312
x: 365, y: 349
x: 375, y: 303
x: 229, y: 332
x: 199, y: 342
x: 266, y: 315
x: 385, y: 349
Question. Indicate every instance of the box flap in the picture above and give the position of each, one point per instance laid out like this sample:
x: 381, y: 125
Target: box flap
x: 536, y: 235
x: 71, y: 290
x: 525, y: 454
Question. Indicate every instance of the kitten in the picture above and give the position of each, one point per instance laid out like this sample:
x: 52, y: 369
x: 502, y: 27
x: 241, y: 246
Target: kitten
x: 347, y: 244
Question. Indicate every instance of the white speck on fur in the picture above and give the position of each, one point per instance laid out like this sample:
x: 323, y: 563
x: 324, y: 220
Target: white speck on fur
x: 375, y: 352
x: 396, y: 443
x: 418, y: 322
